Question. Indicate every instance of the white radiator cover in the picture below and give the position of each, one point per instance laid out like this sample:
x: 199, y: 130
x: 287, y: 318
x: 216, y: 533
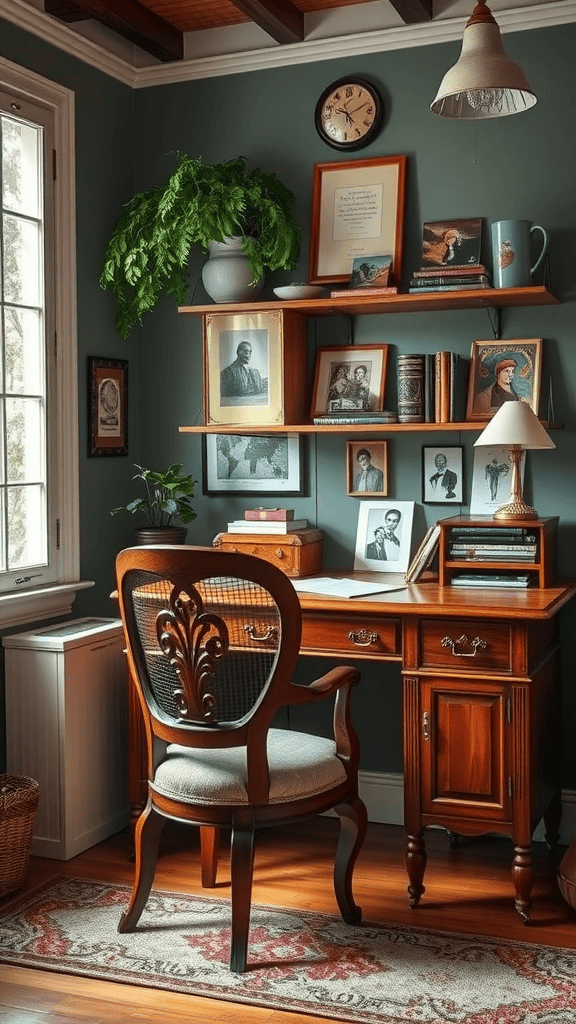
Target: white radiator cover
x: 66, y: 727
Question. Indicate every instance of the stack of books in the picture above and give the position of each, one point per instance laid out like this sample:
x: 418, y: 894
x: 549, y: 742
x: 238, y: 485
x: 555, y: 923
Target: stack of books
x: 512, y: 580
x: 492, y: 544
x: 430, y: 387
x: 356, y: 416
x: 265, y: 526
x: 450, y: 279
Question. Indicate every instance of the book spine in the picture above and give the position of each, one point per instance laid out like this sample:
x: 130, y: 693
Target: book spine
x: 442, y: 395
x: 339, y: 292
x: 334, y: 420
x: 464, y: 270
x: 410, y: 380
x: 429, y: 375
x: 274, y: 514
x: 490, y: 531
x: 452, y: 395
x: 448, y: 287
x: 473, y: 545
x: 472, y: 279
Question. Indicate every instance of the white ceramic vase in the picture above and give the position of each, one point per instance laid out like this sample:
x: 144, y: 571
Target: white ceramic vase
x: 226, y: 275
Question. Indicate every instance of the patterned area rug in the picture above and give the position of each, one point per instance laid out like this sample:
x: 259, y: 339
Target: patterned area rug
x: 298, y: 961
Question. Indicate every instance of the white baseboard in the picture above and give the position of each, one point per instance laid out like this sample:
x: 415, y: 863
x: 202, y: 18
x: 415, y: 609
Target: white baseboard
x: 383, y: 795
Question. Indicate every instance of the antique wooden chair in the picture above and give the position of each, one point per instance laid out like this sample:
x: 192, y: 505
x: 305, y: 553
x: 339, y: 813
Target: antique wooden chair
x: 212, y: 640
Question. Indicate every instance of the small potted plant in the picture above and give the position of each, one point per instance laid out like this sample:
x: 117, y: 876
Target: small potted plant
x: 204, y: 205
x: 168, y: 496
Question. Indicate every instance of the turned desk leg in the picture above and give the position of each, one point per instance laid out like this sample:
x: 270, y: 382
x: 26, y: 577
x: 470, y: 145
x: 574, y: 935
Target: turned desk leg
x: 415, y: 860
x: 523, y: 878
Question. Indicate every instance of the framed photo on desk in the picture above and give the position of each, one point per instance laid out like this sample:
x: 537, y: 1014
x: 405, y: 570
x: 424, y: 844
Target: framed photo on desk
x: 384, y: 536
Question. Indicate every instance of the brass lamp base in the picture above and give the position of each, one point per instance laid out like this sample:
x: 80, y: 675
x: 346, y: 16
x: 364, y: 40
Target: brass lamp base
x: 516, y: 508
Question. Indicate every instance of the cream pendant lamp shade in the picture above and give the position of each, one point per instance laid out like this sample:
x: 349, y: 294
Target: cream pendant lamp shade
x: 484, y: 82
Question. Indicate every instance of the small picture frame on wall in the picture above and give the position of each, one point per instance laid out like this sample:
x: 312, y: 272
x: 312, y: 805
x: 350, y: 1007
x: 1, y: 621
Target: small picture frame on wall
x: 442, y: 475
x: 367, y: 468
x: 107, y: 406
x: 503, y: 371
x: 252, y: 464
x: 384, y: 536
x: 349, y: 377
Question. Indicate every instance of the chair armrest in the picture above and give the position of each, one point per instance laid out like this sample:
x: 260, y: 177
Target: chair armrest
x: 326, y: 685
x: 338, y: 681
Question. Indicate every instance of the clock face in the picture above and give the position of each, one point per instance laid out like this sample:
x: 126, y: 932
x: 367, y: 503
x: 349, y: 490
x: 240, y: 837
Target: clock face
x: 348, y: 114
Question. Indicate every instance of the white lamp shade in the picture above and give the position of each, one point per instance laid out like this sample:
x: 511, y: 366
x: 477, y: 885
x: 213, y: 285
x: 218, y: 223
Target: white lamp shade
x: 515, y: 425
x: 484, y: 82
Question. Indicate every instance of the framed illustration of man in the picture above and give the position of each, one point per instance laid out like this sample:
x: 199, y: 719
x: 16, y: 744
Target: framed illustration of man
x: 384, y: 536
x: 503, y: 371
x: 491, y: 480
x: 442, y: 475
x: 367, y: 468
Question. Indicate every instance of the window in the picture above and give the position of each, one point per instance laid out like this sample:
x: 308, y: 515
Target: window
x: 39, y: 537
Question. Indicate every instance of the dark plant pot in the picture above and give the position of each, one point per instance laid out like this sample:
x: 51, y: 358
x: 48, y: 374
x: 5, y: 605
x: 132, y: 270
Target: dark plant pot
x: 161, y: 535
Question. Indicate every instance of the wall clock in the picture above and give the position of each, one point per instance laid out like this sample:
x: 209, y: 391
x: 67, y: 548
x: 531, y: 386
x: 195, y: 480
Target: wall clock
x: 348, y: 114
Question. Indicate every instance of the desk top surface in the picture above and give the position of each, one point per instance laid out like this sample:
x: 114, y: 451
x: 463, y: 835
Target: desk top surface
x: 428, y: 598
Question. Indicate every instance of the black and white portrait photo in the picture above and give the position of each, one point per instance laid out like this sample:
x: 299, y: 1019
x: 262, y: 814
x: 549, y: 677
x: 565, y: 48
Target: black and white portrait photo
x: 367, y: 468
x: 384, y: 535
x: 442, y: 475
x: 244, y: 362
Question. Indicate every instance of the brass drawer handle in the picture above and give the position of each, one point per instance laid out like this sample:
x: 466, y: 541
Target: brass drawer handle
x: 271, y: 633
x: 476, y: 644
x: 280, y: 553
x: 426, y: 725
x: 363, y: 638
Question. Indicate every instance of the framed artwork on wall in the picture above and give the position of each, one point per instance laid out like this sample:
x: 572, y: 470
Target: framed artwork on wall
x: 442, y: 475
x: 107, y: 406
x: 349, y: 377
x: 491, y: 480
x: 503, y: 371
x: 252, y: 464
x: 367, y: 468
x: 384, y: 535
x: 357, y: 211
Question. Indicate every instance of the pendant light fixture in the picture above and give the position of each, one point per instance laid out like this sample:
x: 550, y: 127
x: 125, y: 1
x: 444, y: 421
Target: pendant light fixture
x: 484, y: 82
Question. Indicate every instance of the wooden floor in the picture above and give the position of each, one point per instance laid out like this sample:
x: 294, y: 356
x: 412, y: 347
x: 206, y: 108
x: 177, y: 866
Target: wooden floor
x: 468, y: 889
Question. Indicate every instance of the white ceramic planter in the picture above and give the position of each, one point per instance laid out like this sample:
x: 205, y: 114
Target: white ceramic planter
x: 226, y: 275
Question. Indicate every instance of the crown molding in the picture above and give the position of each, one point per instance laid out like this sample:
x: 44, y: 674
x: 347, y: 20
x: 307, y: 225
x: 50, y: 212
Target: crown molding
x: 538, y: 16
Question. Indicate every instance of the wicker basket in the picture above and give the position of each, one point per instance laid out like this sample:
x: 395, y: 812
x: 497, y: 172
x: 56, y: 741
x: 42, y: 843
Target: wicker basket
x: 18, y: 806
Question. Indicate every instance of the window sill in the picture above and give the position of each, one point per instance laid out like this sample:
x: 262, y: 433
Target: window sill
x: 40, y: 603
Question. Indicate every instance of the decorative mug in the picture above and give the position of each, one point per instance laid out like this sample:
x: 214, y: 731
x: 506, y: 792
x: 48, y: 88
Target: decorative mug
x: 511, y: 253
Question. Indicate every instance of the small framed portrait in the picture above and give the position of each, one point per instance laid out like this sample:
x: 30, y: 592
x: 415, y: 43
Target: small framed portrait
x: 370, y: 272
x: 384, y: 536
x: 452, y: 243
x: 107, y: 406
x: 248, y: 368
x: 442, y: 475
x: 491, y: 480
x: 367, y: 468
x: 252, y: 464
x: 349, y: 377
x: 503, y: 371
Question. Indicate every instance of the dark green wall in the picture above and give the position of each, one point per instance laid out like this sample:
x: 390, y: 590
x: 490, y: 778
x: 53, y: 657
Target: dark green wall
x: 517, y: 167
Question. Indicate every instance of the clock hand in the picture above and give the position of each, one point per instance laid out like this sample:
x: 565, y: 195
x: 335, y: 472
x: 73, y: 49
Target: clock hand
x: 342, y: 110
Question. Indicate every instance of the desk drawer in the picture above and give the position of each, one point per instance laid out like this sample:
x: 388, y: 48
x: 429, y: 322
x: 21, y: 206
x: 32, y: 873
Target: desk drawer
x: 466, y: 644
x: 363, y: 636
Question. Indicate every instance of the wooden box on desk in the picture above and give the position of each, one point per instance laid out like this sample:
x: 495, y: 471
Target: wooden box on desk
x: 542, y: 568
x: 297, y: 554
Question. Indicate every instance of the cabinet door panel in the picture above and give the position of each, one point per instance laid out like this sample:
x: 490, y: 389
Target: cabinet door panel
x: 465, y: 755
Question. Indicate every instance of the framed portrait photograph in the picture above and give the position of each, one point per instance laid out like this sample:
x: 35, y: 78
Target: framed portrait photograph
x: 252, y: 464
x: 367, y: 468
x: 349, y: 377
x: 357, y: 211
x: 491, y: 479
x: 107, y: 406
x: 442, y: 475
x: 503, y: 371
x: 384, y: 536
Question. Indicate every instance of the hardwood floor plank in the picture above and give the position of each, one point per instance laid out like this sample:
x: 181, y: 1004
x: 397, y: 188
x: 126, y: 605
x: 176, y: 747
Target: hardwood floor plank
x: 468, y: 889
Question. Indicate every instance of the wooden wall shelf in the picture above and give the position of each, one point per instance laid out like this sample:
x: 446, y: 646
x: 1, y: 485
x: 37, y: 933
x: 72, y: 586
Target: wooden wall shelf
x: 492, y: 298
x: 344, y: 428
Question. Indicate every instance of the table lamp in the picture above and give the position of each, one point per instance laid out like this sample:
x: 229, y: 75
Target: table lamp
x: 517, y: 429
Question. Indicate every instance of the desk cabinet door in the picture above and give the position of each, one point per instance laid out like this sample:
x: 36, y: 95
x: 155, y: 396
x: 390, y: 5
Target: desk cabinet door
x: 465, y: 750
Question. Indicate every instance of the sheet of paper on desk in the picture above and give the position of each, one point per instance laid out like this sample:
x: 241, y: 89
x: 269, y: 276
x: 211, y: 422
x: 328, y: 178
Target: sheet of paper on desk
x: 343, y: 587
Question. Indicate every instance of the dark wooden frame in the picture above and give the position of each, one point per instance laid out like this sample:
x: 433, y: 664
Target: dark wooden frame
x: 348, y: 354
x: 357, y: 174
x: 99, y: 372
x: 379, y: 450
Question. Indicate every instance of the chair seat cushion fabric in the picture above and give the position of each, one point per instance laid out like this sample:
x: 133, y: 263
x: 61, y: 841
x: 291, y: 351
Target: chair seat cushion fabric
x: 300, y: 766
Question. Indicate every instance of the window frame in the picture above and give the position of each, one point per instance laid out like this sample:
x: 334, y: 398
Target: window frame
x: 55, y: 599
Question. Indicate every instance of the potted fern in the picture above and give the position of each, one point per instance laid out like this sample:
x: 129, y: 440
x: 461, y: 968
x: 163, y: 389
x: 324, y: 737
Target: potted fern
x: 167, y: 497
x: 147, y: 253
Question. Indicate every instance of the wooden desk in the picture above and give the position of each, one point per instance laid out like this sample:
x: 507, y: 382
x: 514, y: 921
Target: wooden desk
x: 481, y: 708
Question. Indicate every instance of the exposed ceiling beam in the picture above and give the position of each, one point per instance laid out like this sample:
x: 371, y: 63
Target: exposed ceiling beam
x: 281, y: 19
x: 413, y: 12
x: 130, y: 19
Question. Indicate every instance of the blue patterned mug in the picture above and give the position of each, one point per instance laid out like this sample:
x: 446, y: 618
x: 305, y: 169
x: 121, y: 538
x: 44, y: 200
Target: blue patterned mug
x: 511, y: 253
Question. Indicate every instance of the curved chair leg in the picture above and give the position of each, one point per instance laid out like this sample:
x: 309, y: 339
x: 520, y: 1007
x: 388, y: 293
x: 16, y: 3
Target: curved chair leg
x: 241, y: 869
x: 148, y: 831
x: 209, y: 850
x: 353, y: 826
